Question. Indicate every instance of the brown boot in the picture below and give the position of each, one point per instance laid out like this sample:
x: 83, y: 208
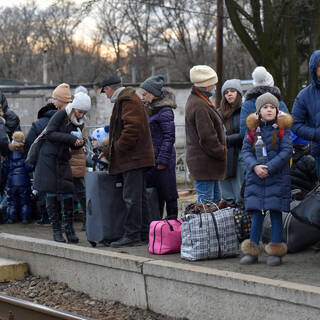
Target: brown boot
x: 275, y: 250
x: 251, y: 252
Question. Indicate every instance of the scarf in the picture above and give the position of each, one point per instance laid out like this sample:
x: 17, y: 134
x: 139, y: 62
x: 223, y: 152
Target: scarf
x: 227, y: 111
x: 200, y: 94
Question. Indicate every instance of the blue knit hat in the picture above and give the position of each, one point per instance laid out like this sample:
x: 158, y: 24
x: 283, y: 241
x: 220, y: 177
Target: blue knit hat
x: 153, y: 85
x: 99, y: 134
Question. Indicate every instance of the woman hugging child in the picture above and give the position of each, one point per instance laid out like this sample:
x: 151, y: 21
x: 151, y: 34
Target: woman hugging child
x: 267, y: 150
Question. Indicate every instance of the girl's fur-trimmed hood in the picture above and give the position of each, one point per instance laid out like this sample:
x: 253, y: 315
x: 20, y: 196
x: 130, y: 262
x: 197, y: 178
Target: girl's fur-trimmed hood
x: 284, y: 121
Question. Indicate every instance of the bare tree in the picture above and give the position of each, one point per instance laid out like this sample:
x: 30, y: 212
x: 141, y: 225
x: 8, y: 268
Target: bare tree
x: 58, y: 25
x: 18, y: 50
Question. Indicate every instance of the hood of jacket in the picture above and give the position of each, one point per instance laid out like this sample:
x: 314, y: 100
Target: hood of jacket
x: 256, y: 92
x: 284, y: 121
x: 4, y: 103
x: 314, y: 60
x: 167, y: 99
x: 47, y: 111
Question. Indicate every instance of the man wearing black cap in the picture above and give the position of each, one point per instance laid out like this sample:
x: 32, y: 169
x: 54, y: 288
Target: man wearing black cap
x: 130, y: 153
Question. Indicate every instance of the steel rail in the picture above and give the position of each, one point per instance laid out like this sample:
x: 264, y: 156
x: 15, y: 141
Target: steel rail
x: 17, y: 309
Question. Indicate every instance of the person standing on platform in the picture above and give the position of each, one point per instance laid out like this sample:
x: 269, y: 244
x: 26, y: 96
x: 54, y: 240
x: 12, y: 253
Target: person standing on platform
x: 160, y: 104
x: 130, y: 153
x: 205, y: 137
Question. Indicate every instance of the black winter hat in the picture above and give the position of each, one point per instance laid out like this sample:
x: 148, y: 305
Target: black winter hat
x: 109, y: 81
x: 153, y: 85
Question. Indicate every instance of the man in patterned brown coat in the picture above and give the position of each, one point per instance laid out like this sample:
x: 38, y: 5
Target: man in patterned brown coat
x: 130, y: 153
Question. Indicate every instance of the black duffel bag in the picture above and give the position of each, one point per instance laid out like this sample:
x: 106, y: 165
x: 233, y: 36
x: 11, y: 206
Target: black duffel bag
x: 308, y: 210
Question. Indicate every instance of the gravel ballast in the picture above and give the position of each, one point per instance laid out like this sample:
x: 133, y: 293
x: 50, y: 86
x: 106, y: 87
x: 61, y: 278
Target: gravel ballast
x: 59, y: 296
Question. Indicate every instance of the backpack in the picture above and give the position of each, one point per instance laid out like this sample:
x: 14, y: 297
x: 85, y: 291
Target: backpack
x: 251, y: 133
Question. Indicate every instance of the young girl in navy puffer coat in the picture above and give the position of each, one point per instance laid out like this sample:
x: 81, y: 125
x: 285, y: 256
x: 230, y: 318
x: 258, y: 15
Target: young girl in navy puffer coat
x: 267, y: 185
x: 16, y: 171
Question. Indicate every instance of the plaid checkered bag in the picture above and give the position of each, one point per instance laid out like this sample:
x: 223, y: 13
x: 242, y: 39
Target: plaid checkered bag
x: 209, y: 235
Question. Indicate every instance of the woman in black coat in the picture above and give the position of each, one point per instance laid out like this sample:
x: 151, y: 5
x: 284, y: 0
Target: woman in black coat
x: 230, y: 111
x: 53, y: 173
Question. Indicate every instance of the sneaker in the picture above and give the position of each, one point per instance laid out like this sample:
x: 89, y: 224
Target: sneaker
x: 9, y: 221
x: 125, y: 242
x: 25, y: 221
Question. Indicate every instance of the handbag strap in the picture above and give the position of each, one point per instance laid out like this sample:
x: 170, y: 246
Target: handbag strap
x: 217, y: 232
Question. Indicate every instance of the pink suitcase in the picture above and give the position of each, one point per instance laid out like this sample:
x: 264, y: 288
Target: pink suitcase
x: 165, y: 236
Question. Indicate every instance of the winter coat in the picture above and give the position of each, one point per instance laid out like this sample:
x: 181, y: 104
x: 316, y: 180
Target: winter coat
x: 53, y: 172
x: 303, y: 170
x: 4, y: 141
x: 130, y: 144
x: 234, y: 145
x: 205, y: 140
x: 273, y: 192
x: 306, y: 109
x: 44, y: 115
x: 249, y: 106
x: 16, y: 170
x: 162, y: 128
x: 78, y: 161
x: 12, y: 120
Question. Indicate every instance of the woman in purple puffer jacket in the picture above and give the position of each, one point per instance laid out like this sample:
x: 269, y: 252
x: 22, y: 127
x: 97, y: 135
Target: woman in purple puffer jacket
x: 160, y: 104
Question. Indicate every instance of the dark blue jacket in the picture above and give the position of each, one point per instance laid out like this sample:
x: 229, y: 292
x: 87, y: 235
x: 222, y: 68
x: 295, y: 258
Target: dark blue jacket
x: 273, y: 192
x: 306, y: 109
x: 16, y: 170
x: 249, y: 106
x: 162, y: 128
x: 44, y: 115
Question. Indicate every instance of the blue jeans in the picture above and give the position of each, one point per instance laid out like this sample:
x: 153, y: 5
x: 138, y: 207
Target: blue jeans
x: 257, y: 223
x: 208, y: 191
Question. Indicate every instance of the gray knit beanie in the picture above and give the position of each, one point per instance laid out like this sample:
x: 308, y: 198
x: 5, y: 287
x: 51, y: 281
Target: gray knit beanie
x: 266, y: 98
x: 153, y: 85
x: 232, y: 84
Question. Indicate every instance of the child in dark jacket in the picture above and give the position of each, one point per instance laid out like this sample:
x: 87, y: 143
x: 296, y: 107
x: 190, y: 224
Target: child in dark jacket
x: 267, y: 181
x: 16, y: 171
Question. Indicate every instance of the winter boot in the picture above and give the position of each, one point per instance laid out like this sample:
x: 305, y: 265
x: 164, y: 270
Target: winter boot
x: 275, y: 250
x: 68, y: 221
x: 251, y: 252
x: 52, y: 209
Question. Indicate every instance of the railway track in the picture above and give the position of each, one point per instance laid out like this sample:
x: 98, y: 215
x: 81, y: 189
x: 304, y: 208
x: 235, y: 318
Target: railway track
x: 18, y: 309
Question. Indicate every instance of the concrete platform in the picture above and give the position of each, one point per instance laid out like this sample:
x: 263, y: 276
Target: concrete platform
x: 12, y: 270
x: 169, y: 285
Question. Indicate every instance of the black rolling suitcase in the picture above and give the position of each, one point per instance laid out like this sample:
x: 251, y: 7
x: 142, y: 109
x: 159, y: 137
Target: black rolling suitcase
x: 105, y: 208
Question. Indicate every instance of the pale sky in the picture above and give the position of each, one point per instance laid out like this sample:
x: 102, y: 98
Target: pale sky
x: 85, y: 28
x: 41, y: 3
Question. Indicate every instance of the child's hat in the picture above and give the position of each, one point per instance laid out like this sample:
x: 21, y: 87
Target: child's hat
x: 99, y: 134
x: 18, y: 137
x: 266, y: 98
